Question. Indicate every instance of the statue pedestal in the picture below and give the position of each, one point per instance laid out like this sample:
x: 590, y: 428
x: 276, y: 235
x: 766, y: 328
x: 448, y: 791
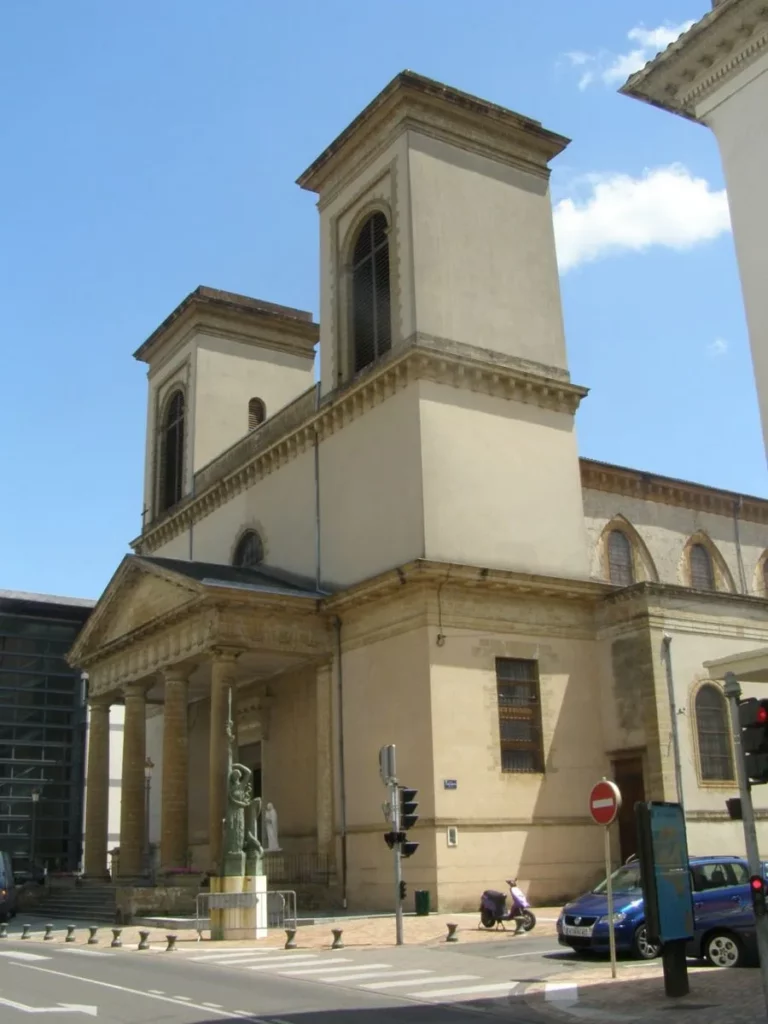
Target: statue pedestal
x: 249, y: 919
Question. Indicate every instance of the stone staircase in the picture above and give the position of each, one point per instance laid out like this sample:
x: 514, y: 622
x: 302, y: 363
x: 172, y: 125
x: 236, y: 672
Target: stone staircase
x: 89, y: 903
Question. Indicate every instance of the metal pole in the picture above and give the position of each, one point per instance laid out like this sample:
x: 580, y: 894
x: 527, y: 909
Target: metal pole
x: 147, y: 784
x: 609, y: 894
x: 673, y: 718
x: 33, y: 839
x: 394, y: 802
x: 733, y: 693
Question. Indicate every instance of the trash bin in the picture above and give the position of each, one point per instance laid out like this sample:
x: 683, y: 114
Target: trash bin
x: 421, y: 897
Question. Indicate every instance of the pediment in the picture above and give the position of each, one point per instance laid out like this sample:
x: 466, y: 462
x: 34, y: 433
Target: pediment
x: 137, y: 595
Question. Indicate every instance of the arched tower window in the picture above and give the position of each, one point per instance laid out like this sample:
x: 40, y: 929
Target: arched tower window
x: 371, y: 315
x: 700, y: 564
x: 249, y: 551
x: 621, y: 569
x: 714, y: 735
x: 257, y: 413
x: 172, y: 453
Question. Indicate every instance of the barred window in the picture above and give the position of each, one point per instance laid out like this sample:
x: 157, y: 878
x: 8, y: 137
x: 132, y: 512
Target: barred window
x: 257, y: 413
x: 517, y: 686
x: 249, y: 551
x: 700, y: 562
x: 371, y: 317
x: 714, y: 735
x: 172, y: 453
x: 620, y: 565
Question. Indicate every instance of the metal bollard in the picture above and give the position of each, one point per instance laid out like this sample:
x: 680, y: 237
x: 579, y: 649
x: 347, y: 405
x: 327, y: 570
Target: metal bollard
x: 92, y: 940
x: 171, y: 947
x: 116, y: 942
x: 25, y: 930
x: 337, y: 943
x: 70, y: 933
x: 143, y: 936
x: 3, y: 930
x: 48, y: 933
x: 452, y: 936
x: 290, y: 938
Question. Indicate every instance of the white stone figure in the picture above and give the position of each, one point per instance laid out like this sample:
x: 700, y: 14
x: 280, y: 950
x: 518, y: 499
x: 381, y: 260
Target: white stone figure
x: 270, y: 823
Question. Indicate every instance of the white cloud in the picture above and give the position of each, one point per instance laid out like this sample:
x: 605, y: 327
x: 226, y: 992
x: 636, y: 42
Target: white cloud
x: 718, y: 347
x: 614, y: 68
x: 665, y: 207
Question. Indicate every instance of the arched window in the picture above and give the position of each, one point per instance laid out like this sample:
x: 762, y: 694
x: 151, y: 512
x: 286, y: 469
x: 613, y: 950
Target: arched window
x: 700, y: 562
x: 257, y: 413
x: 371, y: 317
x: 172, y: 453
x: 714, y: 735
x: 620, y: 564
x: 249, y: 551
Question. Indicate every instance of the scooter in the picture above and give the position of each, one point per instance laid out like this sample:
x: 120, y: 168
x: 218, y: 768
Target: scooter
x: 493, y: 909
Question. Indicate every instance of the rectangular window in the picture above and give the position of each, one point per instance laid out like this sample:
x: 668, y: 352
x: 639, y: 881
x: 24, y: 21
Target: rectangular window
x: 517, y: 686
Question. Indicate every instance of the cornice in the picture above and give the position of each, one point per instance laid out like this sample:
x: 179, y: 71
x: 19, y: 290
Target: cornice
x: 720, y: 45
x: 633, y: 483
x: 413, y: 103
x: 404, y: 366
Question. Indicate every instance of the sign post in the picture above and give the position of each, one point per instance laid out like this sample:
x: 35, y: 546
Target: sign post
x: 604, y: 806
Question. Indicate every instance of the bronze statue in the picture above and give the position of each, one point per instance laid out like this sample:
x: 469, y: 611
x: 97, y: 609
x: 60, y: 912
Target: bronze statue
x: 242, y: 810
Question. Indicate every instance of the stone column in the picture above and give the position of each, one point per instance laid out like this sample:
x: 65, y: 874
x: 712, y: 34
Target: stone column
x: 324, y: 739
x: 133, y: 795
x: 97, y: 791
x: 174, y: 831
x: 223, y: 668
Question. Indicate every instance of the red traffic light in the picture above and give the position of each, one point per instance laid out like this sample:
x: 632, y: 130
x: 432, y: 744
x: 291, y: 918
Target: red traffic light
x: 756, y: 883
x: 762, y: 714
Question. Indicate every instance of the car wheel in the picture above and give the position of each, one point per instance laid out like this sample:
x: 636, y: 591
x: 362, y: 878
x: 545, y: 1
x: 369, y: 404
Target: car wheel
x: 641, y: 947
x: 721, y: 949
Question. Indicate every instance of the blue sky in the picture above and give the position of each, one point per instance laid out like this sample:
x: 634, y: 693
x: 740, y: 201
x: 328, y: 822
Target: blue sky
x: 151, y: 147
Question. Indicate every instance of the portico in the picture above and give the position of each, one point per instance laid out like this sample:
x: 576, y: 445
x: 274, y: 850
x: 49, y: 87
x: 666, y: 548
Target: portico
x: 172, y: 637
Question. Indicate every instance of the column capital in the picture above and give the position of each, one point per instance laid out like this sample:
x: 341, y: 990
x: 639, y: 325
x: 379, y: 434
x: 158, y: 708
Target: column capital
x: 177, y: 673
x: 225, y: 655
x: 133, y: 691
x: 100, y: 703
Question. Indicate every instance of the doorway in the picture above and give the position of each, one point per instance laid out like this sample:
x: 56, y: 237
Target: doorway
x: 628, y: 776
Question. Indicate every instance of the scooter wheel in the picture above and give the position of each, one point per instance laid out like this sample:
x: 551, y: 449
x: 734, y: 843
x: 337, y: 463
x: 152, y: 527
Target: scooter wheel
x: 528, y: 921
x: 487, y: 920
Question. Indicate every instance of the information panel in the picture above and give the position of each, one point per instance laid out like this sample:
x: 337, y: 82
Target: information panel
x: 665, y: 872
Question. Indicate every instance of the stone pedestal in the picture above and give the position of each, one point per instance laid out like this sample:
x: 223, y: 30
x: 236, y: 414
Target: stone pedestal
x: 240, y: 922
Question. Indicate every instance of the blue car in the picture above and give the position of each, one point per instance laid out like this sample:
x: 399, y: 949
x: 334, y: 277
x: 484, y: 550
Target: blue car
x: 722, y: 907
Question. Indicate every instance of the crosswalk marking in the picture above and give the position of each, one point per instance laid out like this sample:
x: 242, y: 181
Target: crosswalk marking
x: 373, y: 974
x: 464, y: 990
x: 84, y: 952
x: 18, y: 955
x: 232, y: 955
x: 268, y: 962
x: 437, y: 981
x: 316, y: 969
x: 254, y: 958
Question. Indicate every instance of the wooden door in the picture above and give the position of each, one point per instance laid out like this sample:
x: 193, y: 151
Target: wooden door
x: 628, y: 776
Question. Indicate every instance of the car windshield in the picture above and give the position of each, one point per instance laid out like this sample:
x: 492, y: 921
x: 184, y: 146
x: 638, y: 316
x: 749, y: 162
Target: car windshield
x: 626, y: 879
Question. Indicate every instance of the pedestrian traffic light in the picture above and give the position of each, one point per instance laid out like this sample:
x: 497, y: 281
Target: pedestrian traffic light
x: 408, y: 818
x: 757, y: 888
x: 753, y: 719
x: 403, y: 891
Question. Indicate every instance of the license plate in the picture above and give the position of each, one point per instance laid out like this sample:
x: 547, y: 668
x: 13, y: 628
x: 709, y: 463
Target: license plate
x: 582, y: 932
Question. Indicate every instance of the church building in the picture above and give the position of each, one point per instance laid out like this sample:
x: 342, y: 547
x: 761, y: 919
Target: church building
x: 411, y: 551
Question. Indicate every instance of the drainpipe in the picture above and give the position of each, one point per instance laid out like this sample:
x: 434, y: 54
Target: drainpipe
x: 342, y: 783
x: 318, y: 574
x: 667, y: 649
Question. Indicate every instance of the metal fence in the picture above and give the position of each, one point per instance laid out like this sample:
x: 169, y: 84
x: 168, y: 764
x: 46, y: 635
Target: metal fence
x: 281, y: 907
x: 303, y: 868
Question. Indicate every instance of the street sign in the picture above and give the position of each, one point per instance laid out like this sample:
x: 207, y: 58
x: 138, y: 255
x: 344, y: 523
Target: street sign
x: 387, y: 769
x: 604, y: 802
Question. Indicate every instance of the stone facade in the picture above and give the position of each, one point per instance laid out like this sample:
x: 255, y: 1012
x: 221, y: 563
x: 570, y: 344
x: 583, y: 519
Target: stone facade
x: 425, y: 526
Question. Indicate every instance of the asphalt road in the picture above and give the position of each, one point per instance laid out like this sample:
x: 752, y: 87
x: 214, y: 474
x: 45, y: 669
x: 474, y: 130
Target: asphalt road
x: 210, y: 985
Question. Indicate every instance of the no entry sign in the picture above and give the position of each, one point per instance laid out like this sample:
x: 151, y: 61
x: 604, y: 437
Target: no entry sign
x: 604, y: 802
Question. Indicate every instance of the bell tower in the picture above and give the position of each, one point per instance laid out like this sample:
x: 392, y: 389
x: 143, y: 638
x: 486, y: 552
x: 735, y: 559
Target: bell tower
x: 437, y: 239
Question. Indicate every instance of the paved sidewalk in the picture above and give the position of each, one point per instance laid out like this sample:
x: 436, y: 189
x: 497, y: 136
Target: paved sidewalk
x: 717, y: 996
x: 370, y: 932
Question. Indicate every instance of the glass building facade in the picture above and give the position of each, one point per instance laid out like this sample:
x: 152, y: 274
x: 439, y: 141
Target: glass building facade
x: 42, y: 732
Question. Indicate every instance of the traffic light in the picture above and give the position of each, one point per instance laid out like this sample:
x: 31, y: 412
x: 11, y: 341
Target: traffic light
x: 408, y: 818
x: 757, y: 888
x: 390, y: 838
x: 753, y: 719
x: 403, y: 891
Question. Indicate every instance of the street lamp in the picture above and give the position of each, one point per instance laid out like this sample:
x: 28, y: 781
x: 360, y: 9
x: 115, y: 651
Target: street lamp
x: 148, y: 766
x: 33, y: 831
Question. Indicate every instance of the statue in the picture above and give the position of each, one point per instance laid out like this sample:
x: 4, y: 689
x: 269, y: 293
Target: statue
x: 240, y: 803
x: 270, y: 822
